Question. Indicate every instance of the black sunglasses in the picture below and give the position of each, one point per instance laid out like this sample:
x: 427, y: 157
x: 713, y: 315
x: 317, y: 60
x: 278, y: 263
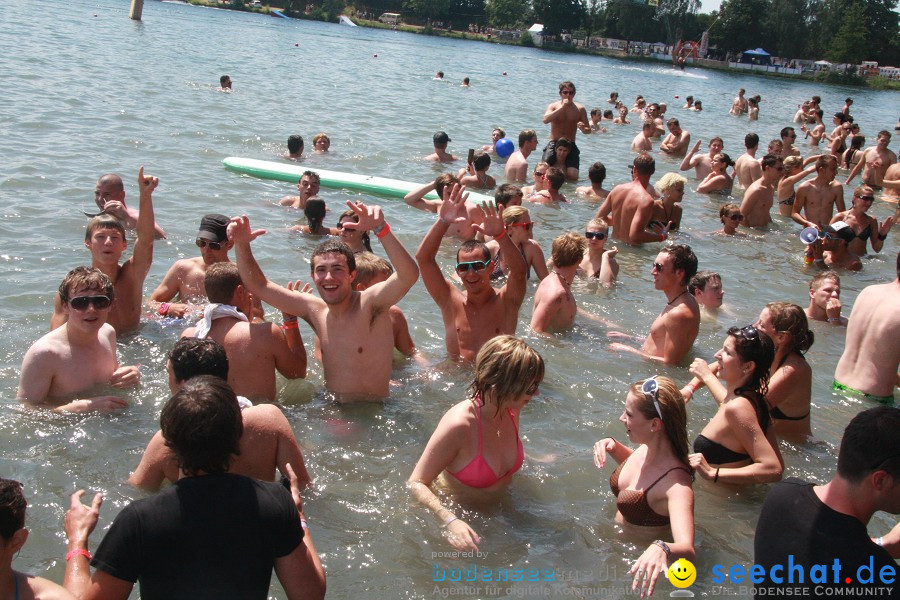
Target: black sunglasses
x: 201, y: 243
x: 600, y: 235
x: 81, y: 303
x: 749, y: 333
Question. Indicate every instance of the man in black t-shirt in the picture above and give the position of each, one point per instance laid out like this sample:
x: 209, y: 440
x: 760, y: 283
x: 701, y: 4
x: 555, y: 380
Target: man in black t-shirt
x: 814, y: 538
x: 212, y: 534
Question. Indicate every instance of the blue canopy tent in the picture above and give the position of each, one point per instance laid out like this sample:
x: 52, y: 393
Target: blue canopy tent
x: 757, y: 56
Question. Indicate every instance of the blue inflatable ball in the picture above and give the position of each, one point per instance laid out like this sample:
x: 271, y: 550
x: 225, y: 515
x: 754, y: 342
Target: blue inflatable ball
x: 504, y: 147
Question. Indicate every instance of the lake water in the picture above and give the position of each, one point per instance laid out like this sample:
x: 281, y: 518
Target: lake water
x: 91, y: 92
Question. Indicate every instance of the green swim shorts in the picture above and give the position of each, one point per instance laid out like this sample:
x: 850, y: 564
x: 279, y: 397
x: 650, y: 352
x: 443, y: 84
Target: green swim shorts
x: 840, y: 387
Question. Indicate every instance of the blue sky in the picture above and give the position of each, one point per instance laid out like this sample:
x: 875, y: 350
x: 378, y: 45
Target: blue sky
x: 707, y: 6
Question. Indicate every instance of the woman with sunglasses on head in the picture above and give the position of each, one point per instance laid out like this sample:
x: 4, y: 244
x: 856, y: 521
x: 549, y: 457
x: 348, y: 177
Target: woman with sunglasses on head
x: 738, y: 445
x: 519, y: 226
x: 652, y: 483
x: 667, y: 209
x: 864, y: 225
x: 356, y: 239
x: 476, y: 448
x: 718, y: 181
x: 599, y: 262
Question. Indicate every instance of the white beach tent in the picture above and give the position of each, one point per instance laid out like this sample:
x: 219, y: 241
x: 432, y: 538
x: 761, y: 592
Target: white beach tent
x: 537, y: 32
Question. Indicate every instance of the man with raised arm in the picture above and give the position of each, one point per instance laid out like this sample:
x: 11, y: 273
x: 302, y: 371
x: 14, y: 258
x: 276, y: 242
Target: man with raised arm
x: 480, y: 312
x: 354, y: 327
x: 80, y: 354
x: 819, y: 197
x: 675, y: 329
x: 759, y: 197
x: 109, y: 194
x: 631, y: 206
x: 566, y: 117
x: 267, y: 441
x: 105, y: 238
x: 702, y: 163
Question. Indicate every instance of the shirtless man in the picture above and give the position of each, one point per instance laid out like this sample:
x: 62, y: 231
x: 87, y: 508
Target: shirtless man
x: 184, y: 279
x: 371, y: 270
x: 295, y: 147
x: 818, y: 131
x: 267, y: 441
x: 475, y: 176
x: 868, y: 366
x: 876, y: 161
x: 225, y: 84
x: 308, y: 186
x: 517, y: 164
x: 891, y: 183
x: 702, y: 163
x: 678, y: 140
x: 553, y: 181
x: 706, y: 288
x: 759, y: 197
x: 508, y: 194
x: 675, y: 329
x: 788, y: 137
x: 480, y: 312
x: 441, y: 139
x: 80, y: 354
x: 595, y: 191
x: 819, y: 196
x: 747, y: 168
x: 354, y: 327
x: 255, y: 350
x: 830, y: 251
x: 739, y: 106
x: 463, y: 230
x: 825, y: 299
x: 642, y: 142
x: 631, y: 206
x: 554, y: 305
x: 566, y: 117
x: 105, y: 238
x: 109, y: 194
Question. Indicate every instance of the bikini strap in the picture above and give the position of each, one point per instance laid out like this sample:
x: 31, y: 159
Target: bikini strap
x: 513, y: 419
x: 478, y: 419
x: 648, y: 488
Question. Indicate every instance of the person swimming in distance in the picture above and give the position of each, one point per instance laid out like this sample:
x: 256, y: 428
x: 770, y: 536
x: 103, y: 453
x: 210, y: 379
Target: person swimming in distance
x: 476, y: 447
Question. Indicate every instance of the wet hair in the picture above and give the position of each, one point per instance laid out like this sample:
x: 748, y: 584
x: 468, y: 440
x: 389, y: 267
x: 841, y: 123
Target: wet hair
x: 505, y: 368
x: 192, y: 356
x: 716, y: 139
x: 465, y: 80
x: 870, y: 443
x: 563, y: 143
x: 858, y: 142
x: 202, y: 425
x: 607, y: 114
x: 884, y: 133
x: 668, y: 181
x: 816, y: 99
x: 682, y: 258
x: 514, y: 214
x: 790, y: 162
x: 567, y: 85
x: 313, y: 176
x: 725, y: 159
x: 295, y: 144
x: 443, y: 180
x: 841, y: 117
x: 556, y: 177
x: 689, y: 99
x: 526, y: 135
x: 824, y: 160
x: 334, y: 247
x: 596, y: 111
x: 751, y: 140
x: 786, y: 132
x: 698, y: 104
x: 482, y: 161
x: 85, y: 278
x: 597, y: 173
x: 698, y: 282
x: 648, y: 125
x: 473, y: 244
x: 674, y: 415
x: 673, y: 121
x: 770, y: 160
x: 223, y: 80
x: 368, y: 266
x: 12, y: 508
x: 761, y: 351
x: 776, y: 144
x: 644, y: 164
x: 613, y: 95
x: 352, y: 216
x: 863, y: 190
x: 502, y: 133
x: 601, y: 223
x: 315, y: 213
x: 816, y: 282
x: 568, y: 249
x: 221, y: 281
x: 727, y: 209
x: 507, y: 193
x: 103, y: 221
x: 320, y: 136
x: 791, y: 319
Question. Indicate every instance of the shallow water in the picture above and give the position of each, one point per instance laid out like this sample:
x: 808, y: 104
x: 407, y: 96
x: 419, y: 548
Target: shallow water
x: 93, y: 92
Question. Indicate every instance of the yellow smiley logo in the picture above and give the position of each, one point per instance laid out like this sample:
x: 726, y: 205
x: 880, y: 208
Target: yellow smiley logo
x: 682, y: 573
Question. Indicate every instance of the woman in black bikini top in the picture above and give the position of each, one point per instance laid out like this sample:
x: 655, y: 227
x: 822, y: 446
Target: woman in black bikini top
x: 738, y: 445
x: 865, y: 227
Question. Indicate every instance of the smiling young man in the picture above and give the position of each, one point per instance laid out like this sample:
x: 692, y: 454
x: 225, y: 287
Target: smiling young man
x: 480, y: 312
x: 105, y: 238
x: 354, y: 327
x: 675, y: 329
x: 80, y: 354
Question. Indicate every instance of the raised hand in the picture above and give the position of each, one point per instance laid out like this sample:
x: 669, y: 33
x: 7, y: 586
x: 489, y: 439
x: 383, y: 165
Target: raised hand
x: 453, y: 206
x: 146, y: 184
x: 81, y: 520
x: 493, y: 220
x: 370, y: 217
x: 239, y: 230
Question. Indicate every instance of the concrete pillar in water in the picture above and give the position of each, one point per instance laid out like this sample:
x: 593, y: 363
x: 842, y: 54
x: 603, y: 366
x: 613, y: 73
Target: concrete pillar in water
x: 137, y: 7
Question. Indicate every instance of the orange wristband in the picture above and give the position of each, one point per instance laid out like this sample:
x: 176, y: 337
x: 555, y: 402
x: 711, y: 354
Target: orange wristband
x: 289, y: 325
x: 76, y: 552
x: 503, y: 233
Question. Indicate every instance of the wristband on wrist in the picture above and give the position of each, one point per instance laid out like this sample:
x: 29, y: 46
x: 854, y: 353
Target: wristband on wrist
x: 694, y: 386
x: 163, y: 309
x: 879, y: 540
x: 382, y: 230
x: 290, y: 325
x: 76, y: 552
x: 834, y: 319
x: 288, y: 318
x: 664, y: 546
x: 444, y: 221
x: 303, y: 523
x: 716, y: 478
x: 500, y: 235
x: 882, y: 236
x: 448, y: 521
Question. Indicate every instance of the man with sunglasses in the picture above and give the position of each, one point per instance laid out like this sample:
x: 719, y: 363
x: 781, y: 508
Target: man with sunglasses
x: 479, y: 312
x: 79, y: 355
x: 185, y: 279
x: 565, y: 117
x: 818, y: 197
x: 631, y: 206
x: 105, y: 238
x: 830, y: 250
x: 756, y: 206
x: 788, y: 137
x: 675, y: 329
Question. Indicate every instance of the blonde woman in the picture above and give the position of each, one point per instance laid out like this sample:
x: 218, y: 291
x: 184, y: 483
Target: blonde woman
x: 793, y: 174
x: 668, y: 208
x: 598, y: 262
x: 519, y: 226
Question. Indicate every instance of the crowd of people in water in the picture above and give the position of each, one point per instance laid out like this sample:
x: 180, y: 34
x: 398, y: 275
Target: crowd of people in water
x: 222, y: 442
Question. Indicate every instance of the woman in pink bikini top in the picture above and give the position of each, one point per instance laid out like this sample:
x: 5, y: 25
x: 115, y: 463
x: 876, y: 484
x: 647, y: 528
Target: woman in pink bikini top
x: 477, y: 441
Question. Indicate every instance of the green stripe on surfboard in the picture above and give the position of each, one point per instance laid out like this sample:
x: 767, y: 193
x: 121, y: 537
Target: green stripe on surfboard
x: 266, y: 169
